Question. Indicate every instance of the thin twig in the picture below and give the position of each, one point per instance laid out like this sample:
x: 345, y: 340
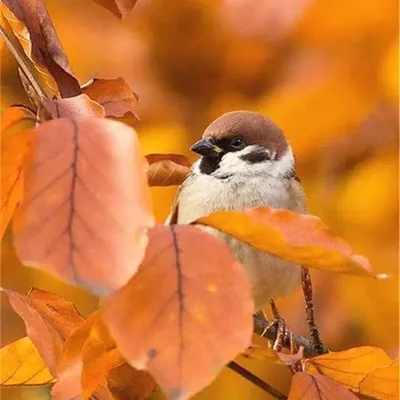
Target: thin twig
x: 266, y: 387
x: 23, y: 64
x: 308, y: 297
x: 310, y: 350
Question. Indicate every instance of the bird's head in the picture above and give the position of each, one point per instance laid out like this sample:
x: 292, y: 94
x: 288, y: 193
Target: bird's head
x: 245, y: 143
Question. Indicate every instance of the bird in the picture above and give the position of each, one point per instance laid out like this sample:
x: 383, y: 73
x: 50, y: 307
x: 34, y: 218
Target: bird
x: 245, y: 162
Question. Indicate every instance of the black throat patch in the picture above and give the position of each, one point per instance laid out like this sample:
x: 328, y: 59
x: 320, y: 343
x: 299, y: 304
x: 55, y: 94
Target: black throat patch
x: 209, y: 164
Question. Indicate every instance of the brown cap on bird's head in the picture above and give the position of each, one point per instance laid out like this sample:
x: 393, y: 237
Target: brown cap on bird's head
x: 252, y: 127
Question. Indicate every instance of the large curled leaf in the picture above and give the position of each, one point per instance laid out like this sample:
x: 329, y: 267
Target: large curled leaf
x: 317, y: 387
x: 21, y: 364
x: 300, y: 238
x: 15, y: 142
x: 46, y: 47
x: 87, y: 206
x: 180, y: 330
x: 167, y: 169
x: 349, y: 367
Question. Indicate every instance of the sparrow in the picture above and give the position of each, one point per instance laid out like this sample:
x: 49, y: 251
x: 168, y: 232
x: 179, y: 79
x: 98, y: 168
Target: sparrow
x: 245, y: 161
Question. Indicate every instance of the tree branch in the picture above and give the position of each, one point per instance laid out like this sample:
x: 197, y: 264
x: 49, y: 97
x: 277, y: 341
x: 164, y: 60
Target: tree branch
x: 310, y: 349
x: 234, y: 366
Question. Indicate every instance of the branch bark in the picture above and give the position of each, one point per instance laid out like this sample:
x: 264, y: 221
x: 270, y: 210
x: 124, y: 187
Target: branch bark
x: 310, y: 349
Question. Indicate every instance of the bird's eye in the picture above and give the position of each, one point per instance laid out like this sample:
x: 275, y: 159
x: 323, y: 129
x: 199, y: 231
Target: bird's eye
x: 237, y: 142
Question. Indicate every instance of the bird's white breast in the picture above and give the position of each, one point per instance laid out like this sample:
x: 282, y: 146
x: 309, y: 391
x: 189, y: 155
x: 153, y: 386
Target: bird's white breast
x: 202, y: 195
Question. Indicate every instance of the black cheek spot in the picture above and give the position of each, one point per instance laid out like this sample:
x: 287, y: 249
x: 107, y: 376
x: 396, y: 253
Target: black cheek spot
x: 152, y: 353
x: 255, y: 156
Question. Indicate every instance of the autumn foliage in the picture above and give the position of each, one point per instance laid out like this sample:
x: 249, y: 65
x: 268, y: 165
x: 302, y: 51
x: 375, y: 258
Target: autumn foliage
x: 173, y: 308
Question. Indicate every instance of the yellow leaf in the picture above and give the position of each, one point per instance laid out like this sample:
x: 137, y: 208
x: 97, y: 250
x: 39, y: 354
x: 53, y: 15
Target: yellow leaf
x: 349, y: 367
x: 21, y: 364
x: 383, y: 383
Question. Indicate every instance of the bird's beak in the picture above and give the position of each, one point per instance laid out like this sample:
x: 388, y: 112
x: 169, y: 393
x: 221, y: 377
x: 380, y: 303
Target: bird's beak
x: 206, y: 148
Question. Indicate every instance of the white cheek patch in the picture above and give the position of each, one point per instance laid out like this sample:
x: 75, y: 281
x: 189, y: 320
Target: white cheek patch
x: 232, y: 163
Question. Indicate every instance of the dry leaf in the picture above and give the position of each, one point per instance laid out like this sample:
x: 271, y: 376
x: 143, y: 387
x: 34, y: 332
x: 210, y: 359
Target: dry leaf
x: 120, y: 8
x: 15, y: 142
x: 21, y: 364
x: 22, y: 34
x: 61, y: 313
x: 114, y: 95
x: 349, y: 367
x: 87, y: 205
x: 79, y: 106
x: 317, y: 387
x: 382, y: 383
x: 46, y: 47
x: 300, y: 238
x: 44, y: 335
x: 167, y: 169
x: 127, y: 383
x: 186, y: 282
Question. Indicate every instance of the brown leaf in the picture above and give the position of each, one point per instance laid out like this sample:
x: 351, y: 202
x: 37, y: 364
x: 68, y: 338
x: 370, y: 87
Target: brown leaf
x: 21, y: 364
x: 120, y: 8
x: 167, y: 169
x: 186, y: 282
x: 15, y: 142
x: 114, y: 95
x: 300, y: 238
x: 127, y: 383
x: 349, y: 367
x: 46, y: 338
x: 46, y: 47
x: 383, y: 383
x: 87, y: 205
x: 22, y: 34
x: 317, y: 387
x: 79, y: 106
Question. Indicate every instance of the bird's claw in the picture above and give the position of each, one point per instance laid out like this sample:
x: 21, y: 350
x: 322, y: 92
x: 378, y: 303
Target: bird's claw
x: 281, y: 332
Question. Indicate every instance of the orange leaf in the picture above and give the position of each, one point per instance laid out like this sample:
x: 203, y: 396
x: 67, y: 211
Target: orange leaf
x: 300, y: 238
x: 42, y: 332
x: 61, y: 313
x: 79, y: 106
x: 383, y: 383
x: 15, y: 142
x: 87, y: 205
x: 46, y: 47
x: 349, y: 367
x: 187, y: 281
x: 90, y: 359
x: 69, y: 369
x: 121, y: 8
x: 167, y: 169
x: 21, y: 364
x: 317, y: 387
x: 114, y: 95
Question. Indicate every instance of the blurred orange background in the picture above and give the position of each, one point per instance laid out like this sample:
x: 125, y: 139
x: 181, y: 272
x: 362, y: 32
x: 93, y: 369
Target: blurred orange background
x: 326, y: 72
